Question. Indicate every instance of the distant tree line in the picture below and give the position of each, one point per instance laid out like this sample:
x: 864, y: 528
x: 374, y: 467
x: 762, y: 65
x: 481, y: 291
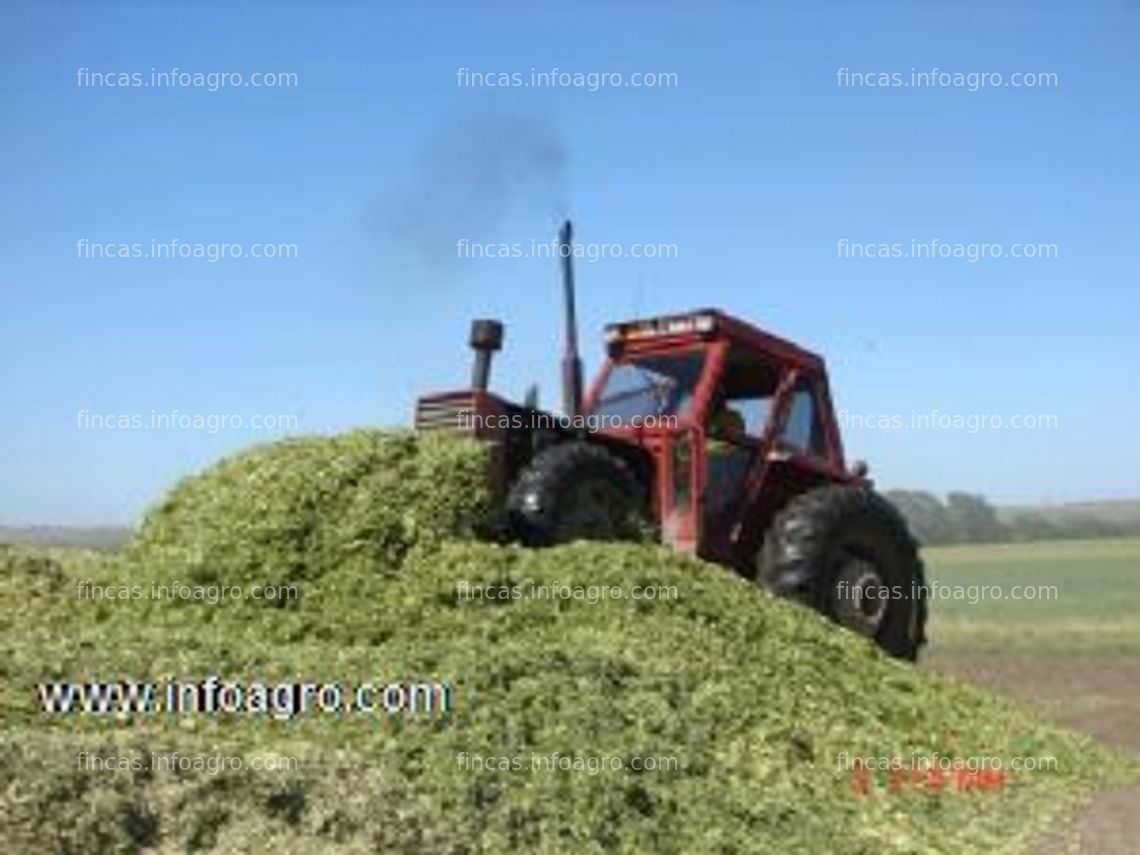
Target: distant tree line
x: 968, y: 518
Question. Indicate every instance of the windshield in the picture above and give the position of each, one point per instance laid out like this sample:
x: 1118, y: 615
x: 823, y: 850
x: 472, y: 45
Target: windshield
x: 650, y: 386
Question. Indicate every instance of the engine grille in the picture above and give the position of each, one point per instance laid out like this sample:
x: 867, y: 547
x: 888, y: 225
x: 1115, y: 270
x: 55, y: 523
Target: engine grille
x: 453, y: 413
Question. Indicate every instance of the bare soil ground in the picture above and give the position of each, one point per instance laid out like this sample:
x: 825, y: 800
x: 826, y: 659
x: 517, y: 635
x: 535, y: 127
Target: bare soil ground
x: 1096, y: 694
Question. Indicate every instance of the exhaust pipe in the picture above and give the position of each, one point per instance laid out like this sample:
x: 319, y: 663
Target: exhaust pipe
x: 486, y: 338
x: 571, y: 363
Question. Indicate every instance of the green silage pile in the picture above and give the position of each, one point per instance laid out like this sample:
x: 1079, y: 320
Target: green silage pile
x: 750, y: 699
x: 297, y: 510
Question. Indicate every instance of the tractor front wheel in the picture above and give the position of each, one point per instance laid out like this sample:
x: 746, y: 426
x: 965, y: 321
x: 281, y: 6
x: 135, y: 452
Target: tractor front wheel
x: 846, y: 551
x: 576, y: 491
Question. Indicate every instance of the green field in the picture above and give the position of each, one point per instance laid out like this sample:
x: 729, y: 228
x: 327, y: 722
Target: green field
x: 1090, y: 601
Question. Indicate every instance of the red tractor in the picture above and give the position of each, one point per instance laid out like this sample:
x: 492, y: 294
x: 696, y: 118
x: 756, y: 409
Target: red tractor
x: 720, y: 439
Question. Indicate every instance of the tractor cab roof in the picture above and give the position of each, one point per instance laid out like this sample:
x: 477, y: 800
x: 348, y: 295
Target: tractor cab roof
x: 666, y: 332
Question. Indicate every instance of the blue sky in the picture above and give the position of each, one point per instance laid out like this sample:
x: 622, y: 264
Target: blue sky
x: 753, y: 165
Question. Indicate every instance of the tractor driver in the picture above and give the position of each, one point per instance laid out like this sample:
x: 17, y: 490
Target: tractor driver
x: 727, y: 457
x: 726, y: 425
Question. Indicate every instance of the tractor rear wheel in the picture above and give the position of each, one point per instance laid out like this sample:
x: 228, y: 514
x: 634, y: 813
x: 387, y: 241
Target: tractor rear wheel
x: 576, y: 491
x: 846, y: 551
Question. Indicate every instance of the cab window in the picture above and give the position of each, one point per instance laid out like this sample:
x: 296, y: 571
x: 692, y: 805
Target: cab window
x: 745, y: 398
x: 803, y: 430
x: 650, y: 386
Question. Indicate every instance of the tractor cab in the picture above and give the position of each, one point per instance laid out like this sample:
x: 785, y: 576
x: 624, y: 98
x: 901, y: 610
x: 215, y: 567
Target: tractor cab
x: 734, y: 420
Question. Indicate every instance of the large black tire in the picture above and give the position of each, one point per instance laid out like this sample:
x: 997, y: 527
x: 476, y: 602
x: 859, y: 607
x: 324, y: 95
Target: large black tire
x: 577, y: 491
x: 846, y: 551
